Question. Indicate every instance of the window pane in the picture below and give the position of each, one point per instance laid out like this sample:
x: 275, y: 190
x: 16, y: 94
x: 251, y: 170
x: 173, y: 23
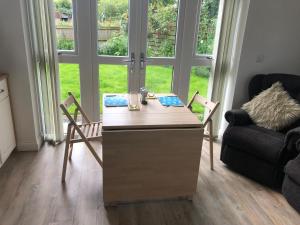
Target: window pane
x: 159, y: 79
x: 207, y: 26
x: 69, y: 82
x: 113, y: 27
x: 162, y: 26
x: 199, y: 82
x: 64, y: 25
x: 112, y: 79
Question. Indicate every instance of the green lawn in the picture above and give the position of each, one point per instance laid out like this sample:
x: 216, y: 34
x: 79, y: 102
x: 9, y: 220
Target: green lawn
x: 113, y: 79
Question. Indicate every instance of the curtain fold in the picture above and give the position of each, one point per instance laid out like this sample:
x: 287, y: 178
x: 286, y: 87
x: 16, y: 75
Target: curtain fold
x: 234, y: 14
x: 44, y: 57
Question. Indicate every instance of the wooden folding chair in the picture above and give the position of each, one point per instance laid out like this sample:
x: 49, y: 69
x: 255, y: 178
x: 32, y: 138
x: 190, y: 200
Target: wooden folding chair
x: 86, y: 132
x: 212, y: 107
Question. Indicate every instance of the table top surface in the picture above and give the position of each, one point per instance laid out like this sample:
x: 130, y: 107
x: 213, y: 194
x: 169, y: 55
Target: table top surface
x: 150, y: 116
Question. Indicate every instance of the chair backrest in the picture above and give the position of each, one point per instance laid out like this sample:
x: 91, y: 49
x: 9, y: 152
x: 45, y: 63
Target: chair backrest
x: 260, y: 82
x: 71, y: 100
x: 211, y: 106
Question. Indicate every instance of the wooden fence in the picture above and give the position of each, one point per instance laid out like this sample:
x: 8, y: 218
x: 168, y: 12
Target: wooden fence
x: 104, y: 33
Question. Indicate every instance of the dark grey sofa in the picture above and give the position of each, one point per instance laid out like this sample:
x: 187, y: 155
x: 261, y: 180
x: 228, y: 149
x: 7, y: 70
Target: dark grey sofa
x: 256, y: 152
x: 291, y: 183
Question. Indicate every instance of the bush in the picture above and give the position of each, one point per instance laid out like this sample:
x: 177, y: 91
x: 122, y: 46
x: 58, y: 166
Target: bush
x: 65, y: 44
x: 115, y: 46
x: 201, y: 71
x: 108, y: 10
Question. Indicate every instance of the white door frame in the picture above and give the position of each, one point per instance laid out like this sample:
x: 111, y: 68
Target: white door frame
x: 82, y: 54
x: 86, y: 56
x: 189, y: 56
x: 133, y: 32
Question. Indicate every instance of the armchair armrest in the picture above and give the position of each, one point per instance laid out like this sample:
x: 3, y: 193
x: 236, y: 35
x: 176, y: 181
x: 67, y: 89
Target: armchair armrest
x: 238, y: 117
x: 298, y: 145
x: 292, y: 140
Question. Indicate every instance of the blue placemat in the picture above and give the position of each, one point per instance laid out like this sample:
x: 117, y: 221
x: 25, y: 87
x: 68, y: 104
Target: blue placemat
x: 170, y: 101
x: 115, y: 101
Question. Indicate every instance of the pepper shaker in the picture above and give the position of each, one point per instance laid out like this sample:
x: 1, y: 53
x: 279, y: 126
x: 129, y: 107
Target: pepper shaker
x: 144, y: 93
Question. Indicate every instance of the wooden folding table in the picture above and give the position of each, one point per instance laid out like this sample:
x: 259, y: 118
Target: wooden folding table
x: 153, y: 153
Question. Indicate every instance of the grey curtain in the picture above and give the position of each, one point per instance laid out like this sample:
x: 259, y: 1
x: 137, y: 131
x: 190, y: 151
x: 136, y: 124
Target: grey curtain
x: 44, y: 57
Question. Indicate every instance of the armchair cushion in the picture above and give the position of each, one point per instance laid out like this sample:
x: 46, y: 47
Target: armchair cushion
x: 273, y: 108
x: 260, y: 142
x: 238, y: 117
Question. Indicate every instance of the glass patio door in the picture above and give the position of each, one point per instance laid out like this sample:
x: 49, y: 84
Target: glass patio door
x: 114, y: 50
x: 136, y: 46
x: 96, y: 43
x: 118, y: 46
x: 178, y: 46
x: 160, y: 43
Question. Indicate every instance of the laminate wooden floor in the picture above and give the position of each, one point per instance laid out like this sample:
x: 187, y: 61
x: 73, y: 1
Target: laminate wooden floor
x: 31, y: 194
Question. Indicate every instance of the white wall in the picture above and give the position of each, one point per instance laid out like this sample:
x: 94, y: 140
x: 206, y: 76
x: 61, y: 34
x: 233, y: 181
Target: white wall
x: 14, y: 61
x: 272, y: 34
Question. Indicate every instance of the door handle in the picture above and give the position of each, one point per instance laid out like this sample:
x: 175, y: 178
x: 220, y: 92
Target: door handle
x: 131, y: 61
x: 142, y: 61
x: 1, y: 91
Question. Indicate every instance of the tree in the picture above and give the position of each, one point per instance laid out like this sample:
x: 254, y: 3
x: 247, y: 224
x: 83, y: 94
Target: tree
x: 158, y: 3
x: 111, y: 10
x: 64, y: 7
x: 207, y: 26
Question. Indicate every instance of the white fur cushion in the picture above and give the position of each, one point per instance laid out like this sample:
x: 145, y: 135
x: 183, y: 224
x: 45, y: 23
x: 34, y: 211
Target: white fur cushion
x: 273, y: 108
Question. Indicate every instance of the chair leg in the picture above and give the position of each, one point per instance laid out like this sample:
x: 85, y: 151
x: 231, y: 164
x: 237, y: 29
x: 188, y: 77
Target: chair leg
x: 71, y: 144
x: 92, y: 150
x: 66, y: 154
x: 94, y: 153
x: 211, y: 145
x: 71, y: 151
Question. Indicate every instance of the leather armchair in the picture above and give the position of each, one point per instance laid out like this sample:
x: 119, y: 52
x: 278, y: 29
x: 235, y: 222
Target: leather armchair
x: 257, y: 152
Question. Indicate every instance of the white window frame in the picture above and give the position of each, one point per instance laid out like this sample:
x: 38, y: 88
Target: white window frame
x: 189, y: 56
x: 62, y: 53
